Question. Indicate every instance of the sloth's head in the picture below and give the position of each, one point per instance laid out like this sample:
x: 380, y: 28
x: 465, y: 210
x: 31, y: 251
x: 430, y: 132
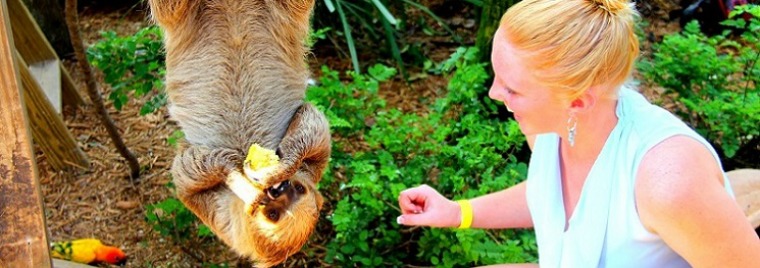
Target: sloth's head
x: 285, y: 220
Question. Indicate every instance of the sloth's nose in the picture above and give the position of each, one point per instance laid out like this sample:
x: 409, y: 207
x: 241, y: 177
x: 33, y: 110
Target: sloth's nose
x: 277, y: 189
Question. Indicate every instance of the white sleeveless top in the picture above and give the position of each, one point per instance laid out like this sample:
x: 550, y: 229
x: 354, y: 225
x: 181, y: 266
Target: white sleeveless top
x: 605, y: 229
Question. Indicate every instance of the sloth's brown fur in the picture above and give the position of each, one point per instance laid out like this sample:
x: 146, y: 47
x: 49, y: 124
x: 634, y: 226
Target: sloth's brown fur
x: 236, y: 75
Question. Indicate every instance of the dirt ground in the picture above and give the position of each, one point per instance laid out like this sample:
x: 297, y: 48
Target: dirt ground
x: 101, y: 202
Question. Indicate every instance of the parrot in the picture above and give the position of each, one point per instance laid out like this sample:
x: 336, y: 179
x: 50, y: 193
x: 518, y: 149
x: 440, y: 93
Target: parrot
x: 87, y: 251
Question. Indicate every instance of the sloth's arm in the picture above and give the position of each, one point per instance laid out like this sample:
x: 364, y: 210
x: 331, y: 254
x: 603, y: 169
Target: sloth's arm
x: 198, y: 172
x: 306, y: 142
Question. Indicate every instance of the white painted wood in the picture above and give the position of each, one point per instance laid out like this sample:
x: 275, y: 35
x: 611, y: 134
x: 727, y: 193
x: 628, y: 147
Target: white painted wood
x: 48, y: 76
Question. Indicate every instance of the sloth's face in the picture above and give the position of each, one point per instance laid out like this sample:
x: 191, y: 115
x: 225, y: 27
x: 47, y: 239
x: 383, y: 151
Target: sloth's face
x: 282, y: 199
x: 290, y: 213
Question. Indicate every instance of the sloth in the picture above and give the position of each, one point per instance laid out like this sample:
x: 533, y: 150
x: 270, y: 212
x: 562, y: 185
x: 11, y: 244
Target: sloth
x: 236, y: 76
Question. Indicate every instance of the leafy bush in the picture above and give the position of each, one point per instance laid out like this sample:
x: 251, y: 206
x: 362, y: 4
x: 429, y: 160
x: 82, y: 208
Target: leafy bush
x: 456, y: 148
x: 377, y: 21
x: 132, y: 64
x: 715, y: 78
x: 170, y: 218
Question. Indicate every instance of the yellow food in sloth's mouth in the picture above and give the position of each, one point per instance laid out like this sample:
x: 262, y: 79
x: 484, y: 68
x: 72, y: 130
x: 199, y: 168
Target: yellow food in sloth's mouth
x: 259, y: 163
x: 260, y: 158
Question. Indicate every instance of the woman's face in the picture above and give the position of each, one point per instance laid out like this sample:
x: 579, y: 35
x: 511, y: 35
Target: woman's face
x: 537, y: 109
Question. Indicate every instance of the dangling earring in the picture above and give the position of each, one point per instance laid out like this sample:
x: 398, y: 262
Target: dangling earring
x: 572, y: 122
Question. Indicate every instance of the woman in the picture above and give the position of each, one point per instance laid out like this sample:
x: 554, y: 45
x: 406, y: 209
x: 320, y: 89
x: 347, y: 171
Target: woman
x: 613, y: 181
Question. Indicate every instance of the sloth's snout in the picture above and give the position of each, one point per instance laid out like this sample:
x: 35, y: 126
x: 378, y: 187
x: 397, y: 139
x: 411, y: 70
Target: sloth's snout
x: 278, y: 189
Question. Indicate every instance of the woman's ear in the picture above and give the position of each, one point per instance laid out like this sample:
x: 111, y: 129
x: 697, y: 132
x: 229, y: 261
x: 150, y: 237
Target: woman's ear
x: 584, y: 102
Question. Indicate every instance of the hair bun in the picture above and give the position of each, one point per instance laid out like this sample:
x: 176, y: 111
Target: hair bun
x: 612, y: 6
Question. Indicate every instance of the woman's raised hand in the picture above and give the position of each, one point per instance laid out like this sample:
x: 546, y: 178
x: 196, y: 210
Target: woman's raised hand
x: 424, y: 206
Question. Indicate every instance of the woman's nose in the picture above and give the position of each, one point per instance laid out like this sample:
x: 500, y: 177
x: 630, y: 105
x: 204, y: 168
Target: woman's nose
x: 494, y: 93
x: 499, y: 95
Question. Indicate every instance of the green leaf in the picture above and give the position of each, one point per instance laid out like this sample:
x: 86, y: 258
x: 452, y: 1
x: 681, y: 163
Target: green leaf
x: 330, y: 5
x: 386, y: 14
x: 347, y: 249
x: 204, y: 231
x: 349, y: 38
x: 381, y: 72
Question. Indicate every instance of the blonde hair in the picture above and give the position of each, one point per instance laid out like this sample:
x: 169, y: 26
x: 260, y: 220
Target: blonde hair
x: 572, y: 45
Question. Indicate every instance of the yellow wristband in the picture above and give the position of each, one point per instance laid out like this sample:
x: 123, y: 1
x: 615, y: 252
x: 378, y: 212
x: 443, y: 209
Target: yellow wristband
x: 466, y: 211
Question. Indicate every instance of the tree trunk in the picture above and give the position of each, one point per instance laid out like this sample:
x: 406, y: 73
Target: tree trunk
x: 490, y: 16
x: 49, y: 16
x: 72, y: 18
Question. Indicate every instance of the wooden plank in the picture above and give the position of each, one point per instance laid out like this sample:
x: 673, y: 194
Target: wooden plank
x: 69, y: 92
x: 48, y: 130
x: 28, y: 36
x: 67, y: 264
x: 24, y: 241
x: 48, y: 76
x: 34, y: 47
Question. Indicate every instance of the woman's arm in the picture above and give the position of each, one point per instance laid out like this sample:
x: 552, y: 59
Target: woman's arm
x: 424, y: 206
x: 681, y: 197
x: 503, y: 209
x: 521, y: 265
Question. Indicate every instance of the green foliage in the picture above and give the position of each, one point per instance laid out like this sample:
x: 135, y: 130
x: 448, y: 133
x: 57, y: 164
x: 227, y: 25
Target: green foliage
x: 348, y: 106
x: 378, y: 23
x: 132, y: 64
x: 457, y: 148
x: 689, y: 64
x: 172, y: 219
x: 732, y: 116
x: 175, y: 137
x: 715, y: 77
x: 317, y: 35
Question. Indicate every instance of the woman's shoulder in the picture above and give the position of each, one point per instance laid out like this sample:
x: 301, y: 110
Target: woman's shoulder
x: 677, y: 157
x: 680, y: 196
x: 673, y: 174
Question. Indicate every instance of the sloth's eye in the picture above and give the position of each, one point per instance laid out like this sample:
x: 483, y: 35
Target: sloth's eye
x: 273, y: 215
x: 300, y: 189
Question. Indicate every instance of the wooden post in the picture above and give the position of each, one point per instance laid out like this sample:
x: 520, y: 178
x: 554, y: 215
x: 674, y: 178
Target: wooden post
x: 24, y: 241
x: 48, y: 129
x: 34, y: 48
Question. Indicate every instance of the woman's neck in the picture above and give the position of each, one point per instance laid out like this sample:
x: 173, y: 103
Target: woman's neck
x: 592, y: 130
